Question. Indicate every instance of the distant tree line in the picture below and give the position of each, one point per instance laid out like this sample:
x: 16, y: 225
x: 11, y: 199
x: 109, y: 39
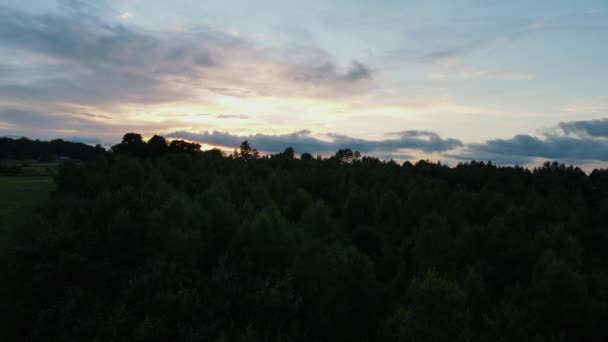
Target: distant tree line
x: 160, y: 241
x: 24, y: 148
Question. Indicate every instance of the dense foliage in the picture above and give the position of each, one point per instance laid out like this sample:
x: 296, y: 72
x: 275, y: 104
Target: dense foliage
x: 162, y: 242
x: 24, y: 148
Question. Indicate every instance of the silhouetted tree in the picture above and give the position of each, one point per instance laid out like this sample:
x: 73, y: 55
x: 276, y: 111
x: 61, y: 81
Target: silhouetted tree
x: 306, y: 156
x: 247, y: 152
x: 132, y: 144
x: 289, y: 152
x: 157, y: 146
x: 347, y: 155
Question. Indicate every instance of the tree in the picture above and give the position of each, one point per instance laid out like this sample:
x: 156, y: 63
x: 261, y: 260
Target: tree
x: 163, y: 242
x: 132, y: 139
x: 289, y: 153
x: 247, y: 152
x: 436, y: 313
x: 132, y: 144
x: 561, y: 300
x: 297, y: 203
x: 157, y: 146
x: 306, y: 156
x: 347, y: 155
x: 360, y: 209
x: 433, y: 246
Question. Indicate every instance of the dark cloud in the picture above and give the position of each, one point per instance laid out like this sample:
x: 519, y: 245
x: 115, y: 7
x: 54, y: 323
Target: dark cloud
x: 591, y: 128
x: 303, y: 142
x: 101, y: 62
x: 69, y: 37
x: 427, y: 141
x: 328, y: 72
x: 103, y: 87
x: 105, y: 62
x: 31, y: 119
x: 357, y: 71
x: 523, y: 148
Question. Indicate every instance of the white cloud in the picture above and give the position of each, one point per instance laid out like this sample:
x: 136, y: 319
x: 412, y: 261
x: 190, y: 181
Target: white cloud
x: 125, y: 15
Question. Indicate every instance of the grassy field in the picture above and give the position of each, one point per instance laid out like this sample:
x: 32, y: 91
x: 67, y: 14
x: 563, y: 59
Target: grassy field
x: 32, y: 167
x: 19, y: 193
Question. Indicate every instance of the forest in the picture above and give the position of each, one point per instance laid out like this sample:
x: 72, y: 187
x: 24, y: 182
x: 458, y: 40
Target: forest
x: 160, y: 241
x: 24, y: 148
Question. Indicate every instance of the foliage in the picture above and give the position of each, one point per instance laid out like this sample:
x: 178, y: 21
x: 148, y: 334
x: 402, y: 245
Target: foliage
x: 159, y: 241
x: 20, y: 193
x: 24, y: 148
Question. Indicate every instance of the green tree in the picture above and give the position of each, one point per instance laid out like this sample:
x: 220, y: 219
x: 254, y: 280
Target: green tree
x: 433, y: 245
x: 437, y: 312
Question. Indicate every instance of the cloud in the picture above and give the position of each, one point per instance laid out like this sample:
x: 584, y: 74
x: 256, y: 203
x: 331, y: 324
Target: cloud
x: 231, y: 116
x: 108, y: 62
x: 15, y: 117
x: 233, y: 92
x: 447, y: 49
x: 591, y: 128
x: 357, y: 71
x: 447, y: 45
x: 463, y: 72
x: 302, y: 141
x: 32, y: 122
x: 73, y: 38
x: 327, y: 72
x: 226, y: 116
x: 125, y: 15
x: 89, y: 115
x: 102, y: 62
x: 451, y: 44
x: 578, y: 142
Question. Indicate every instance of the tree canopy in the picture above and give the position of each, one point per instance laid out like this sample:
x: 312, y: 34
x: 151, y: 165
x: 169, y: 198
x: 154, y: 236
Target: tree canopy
x: 160, y: 241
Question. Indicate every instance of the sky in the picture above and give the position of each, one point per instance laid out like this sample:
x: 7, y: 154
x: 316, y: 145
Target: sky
x: 515, y: 82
